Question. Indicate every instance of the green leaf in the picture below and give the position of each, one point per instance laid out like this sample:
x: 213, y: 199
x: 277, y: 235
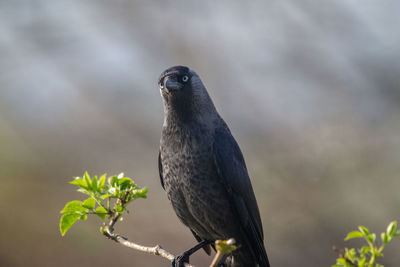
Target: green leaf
x: 67, y: 220
x: 94, y: 183
x: 364, y: 230
x: 385, y: 238
x: 103, y: 230
x: 74, y: 206
x: 391, y: 228
x: 125, y: 180
x: 379, y: 254
x: 140, y: 192
x: 102, y: 180
x: 88, y: 180
x: 80, y: 182
x: 364, y: 250
x: 350, y: 254
x: 101, y: 212
x: 397, y: 233
x: 85, y: 191
x: 112, y: 180
x: 125, y: 183
x: 105, y: 196
x: 83, y: 217
x: 89, y: 203
x: 354, y: 234
x: 371, y: 238
x: 119, y: 209
x: 361, y: 262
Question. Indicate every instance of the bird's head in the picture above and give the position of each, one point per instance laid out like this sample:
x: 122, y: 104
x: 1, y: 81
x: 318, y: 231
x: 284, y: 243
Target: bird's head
x: 183, y: 93
x: 175, y: 81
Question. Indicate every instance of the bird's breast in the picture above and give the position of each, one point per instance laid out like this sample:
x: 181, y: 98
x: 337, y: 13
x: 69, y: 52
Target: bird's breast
x: 186, y: 156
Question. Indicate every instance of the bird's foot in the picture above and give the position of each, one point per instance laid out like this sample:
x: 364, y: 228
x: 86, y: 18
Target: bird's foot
x: 221, y: 262
x: 180, y: 260
x: 183, y: 258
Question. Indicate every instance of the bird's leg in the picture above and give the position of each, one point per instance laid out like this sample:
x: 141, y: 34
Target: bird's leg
x: 222, y: 261
x: 184, y: 257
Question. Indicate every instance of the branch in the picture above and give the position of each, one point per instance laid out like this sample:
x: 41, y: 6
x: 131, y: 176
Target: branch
x: 216, y: 259
x: 157, y: 250
x: 223, y: 247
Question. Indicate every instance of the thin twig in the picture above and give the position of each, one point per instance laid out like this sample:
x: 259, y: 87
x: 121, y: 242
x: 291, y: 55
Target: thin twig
x: 156, y: 250
x: 216, y: 259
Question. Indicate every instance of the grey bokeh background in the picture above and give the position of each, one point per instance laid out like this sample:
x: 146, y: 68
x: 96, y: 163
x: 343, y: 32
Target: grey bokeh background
x: 310, y: 89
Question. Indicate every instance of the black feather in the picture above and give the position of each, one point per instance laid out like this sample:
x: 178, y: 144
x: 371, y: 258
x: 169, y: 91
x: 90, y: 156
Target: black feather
x: 160, y: 170
x: 232, y: 169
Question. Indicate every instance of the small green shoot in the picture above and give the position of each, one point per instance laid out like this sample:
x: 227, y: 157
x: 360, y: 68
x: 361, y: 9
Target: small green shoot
x: 105, y: 199
x: 366, y: 256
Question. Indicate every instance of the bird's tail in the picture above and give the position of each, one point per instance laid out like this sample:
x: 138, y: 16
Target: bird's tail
x: 244, y: 258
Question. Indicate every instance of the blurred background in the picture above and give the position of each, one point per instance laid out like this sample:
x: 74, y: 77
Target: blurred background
x: 311, y: 91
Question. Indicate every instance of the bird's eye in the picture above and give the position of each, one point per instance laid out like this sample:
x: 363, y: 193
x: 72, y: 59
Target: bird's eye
x: 185, y: 78
x: 161, y: 85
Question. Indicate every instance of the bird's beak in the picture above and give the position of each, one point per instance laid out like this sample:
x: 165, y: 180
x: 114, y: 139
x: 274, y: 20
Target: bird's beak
x: 172, y: 85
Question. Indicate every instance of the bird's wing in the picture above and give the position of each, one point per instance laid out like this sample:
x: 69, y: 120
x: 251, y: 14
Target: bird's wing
x: 232, y: 170
x: 160, y: 170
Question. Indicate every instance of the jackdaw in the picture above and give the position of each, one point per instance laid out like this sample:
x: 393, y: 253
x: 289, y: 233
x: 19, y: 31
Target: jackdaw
x: 203, y: 171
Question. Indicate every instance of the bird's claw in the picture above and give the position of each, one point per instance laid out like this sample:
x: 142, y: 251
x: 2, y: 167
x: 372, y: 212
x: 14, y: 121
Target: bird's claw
x: 180, y: 260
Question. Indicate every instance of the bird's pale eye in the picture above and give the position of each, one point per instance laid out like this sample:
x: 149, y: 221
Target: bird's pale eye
x: 161, y: 85
x: 185, y: 78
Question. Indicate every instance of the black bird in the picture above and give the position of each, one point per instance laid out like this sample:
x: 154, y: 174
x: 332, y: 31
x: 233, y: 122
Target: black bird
x: 203, y: 171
